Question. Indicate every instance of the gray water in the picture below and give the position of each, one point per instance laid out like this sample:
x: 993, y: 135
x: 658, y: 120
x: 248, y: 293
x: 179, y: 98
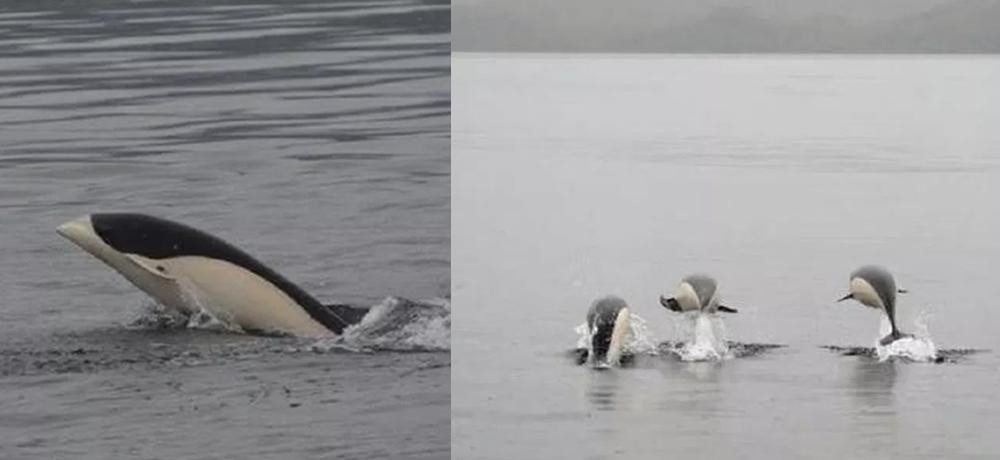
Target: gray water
x: 313, y: 135
x: 585, y: 175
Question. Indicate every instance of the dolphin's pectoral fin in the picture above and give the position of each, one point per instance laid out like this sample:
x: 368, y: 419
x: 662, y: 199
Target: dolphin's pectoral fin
x: 346, y: 313
x: 151, y: 266
x: 670, y: 304
x: 726, y: 309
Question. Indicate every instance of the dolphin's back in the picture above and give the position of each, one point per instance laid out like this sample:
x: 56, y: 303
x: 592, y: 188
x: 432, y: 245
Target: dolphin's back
x: 604, y: 311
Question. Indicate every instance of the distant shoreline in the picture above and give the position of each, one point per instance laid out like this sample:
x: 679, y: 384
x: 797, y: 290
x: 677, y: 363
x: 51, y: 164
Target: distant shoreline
x: 731, y: 54
x: 729, y: 26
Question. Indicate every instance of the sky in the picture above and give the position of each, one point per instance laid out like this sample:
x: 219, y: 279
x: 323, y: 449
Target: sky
x: 728, y: 26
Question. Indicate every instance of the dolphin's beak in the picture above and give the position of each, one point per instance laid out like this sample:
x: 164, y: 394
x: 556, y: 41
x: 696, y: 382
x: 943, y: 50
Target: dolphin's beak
x: 81, y: 232
x: 76, y: 228
x: 846, y: 297
x: 670, y: 304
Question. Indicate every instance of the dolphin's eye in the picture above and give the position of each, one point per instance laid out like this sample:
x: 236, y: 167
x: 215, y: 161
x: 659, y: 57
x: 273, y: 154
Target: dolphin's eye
x: 160, y: 268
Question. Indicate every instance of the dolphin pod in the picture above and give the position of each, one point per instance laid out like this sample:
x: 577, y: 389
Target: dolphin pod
x: 188, y: 270
x: 607, y: 318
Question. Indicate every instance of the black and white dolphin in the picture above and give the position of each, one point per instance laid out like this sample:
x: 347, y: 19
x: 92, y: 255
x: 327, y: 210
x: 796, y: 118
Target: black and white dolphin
x: 696, y: 293
x: 875, y: 287
x: 608, y: 324
x: 186, y: 269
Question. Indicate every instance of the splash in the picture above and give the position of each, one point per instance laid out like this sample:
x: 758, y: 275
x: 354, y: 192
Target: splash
x: 918, y: 348
x: 397, y: 324
x: 736, y: 349
x: 205, y: 320
x: 638, y: 339
x: 394, y: 324
x: 707, y: 337
x: 157, y: 317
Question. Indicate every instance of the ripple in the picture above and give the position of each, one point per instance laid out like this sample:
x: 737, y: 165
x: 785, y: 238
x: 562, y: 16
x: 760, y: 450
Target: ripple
x: 953, y: 355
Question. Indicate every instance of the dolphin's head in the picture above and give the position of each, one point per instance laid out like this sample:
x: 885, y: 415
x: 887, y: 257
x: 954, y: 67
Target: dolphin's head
x: 130, y: 244
x: 82, y: 232
x: 608, y: 322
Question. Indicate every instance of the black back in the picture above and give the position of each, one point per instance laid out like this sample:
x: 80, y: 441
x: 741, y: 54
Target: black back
x: 156, y: 238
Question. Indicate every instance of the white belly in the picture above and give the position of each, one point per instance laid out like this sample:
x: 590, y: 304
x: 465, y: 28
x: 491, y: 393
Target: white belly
x: 687, y: 298
x: 864, y: 292
x: 239, y: 297
x: 618, y: 336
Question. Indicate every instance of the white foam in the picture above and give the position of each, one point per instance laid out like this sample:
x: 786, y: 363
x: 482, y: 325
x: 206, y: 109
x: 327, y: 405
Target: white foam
x: 397, y: 325
x: 157, y: 316
x: 919, y: 348
x: 706, y: 337
x: 394, y: 324
x: 204, y: 319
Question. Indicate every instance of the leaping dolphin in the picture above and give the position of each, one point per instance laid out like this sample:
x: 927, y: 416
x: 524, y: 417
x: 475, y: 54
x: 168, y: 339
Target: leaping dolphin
x: 187, y: 269
x: 608, y: 323
x: 696, y: 293
x: 875, y: 287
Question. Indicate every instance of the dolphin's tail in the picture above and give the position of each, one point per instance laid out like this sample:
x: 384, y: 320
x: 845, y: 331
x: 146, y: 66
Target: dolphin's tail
x: 892, y: 337
x: 347, y: 314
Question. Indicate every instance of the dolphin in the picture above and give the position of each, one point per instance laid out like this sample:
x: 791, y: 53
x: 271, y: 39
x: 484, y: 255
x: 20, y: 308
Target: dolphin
x: 186, y: 269
x: 873, y: 286
x: 608, y: 323
x: 697, y: 292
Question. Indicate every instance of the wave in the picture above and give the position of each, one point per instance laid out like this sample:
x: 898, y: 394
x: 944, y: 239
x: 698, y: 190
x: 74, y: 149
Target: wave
x: 734, y: 349
x: 705, y: 341
x: 944, y: 355
x: 919, y: 347
x: 398, y: 324
x: 158, y: 338
x: 394, y: 324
